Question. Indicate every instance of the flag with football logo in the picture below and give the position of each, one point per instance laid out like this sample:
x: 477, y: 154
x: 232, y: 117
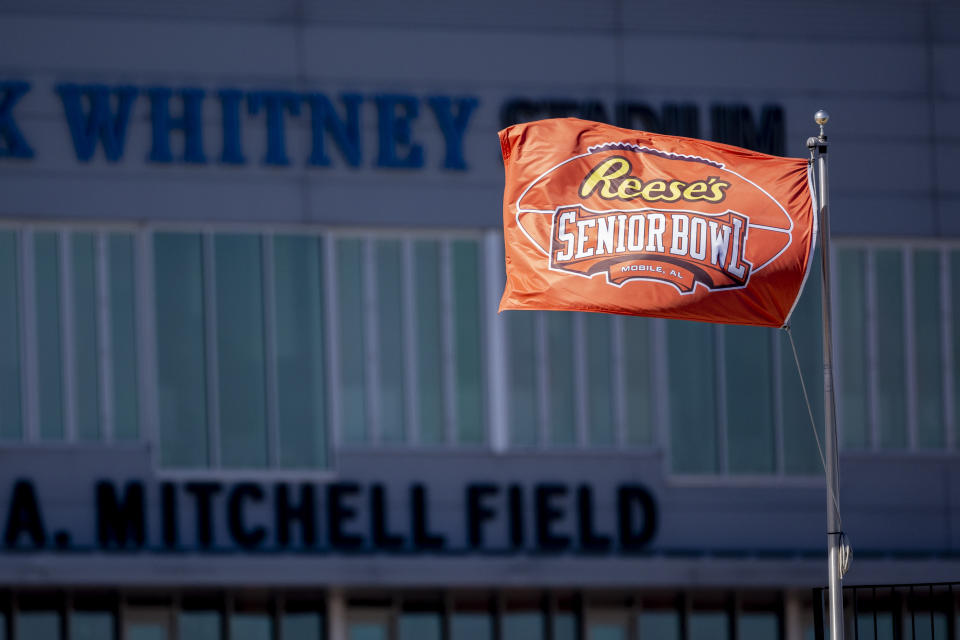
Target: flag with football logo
x: 599, y: 218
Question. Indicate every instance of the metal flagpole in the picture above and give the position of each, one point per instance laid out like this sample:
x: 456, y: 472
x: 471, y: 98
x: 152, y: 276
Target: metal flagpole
x: 837, y: 550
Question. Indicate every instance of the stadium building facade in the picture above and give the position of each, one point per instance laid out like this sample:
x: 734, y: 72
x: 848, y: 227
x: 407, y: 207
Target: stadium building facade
x: 253, y: 384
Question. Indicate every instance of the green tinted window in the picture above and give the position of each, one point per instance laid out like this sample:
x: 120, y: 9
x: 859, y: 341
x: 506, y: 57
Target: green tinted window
x: 302, y: 626
x: 659, y: 625
x: 470, y: 626
x: 390, y: 300
x: 748, y: 378
x: 429, y: 339
x: 637, y: 367
x: 85, y: 338
x: 467, y: 344
x: 799, y: 446
x: 602, y: 428
x: 123, y: 337
x: 181, y: 368
x: 560, y: 382
x: 358, y: 630
x: 240, y: 351
x: 522, y: 626
x: 521, y: 341
x: 11, y: 421
x: 693, y: 410
x: 926, y: 334
x: 758, y: 626
x: 250, y: 626
x: 418, y: 626
x: 891, y: 349
x: 850, y: 316
x: 955, y: 318
x: 299, y: 329
x: 708, y: 625
x: 198, y: 625
x: 50, y: 359
x: 38, y: 625
x: 353, y: 415
x: 91, y: 625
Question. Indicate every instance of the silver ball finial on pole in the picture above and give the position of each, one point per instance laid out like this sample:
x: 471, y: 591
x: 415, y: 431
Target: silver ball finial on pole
x: 821, y: 117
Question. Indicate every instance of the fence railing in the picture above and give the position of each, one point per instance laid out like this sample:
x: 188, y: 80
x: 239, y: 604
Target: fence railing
x: 926, y: 611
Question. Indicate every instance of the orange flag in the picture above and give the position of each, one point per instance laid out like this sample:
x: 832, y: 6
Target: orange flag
x: 599, y: 218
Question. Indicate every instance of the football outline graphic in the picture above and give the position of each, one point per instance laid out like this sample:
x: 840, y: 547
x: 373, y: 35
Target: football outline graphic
x: 714, y: 196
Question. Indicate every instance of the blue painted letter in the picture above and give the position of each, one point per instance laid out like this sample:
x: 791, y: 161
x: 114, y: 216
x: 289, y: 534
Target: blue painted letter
x: 191, y: 122
x: 395, y: 131
x: 100, y: 123
x: 453, y: 127
x: 14, y: 144
x: 345, y: 131
x: 230, y: 100
x: 274, y: 102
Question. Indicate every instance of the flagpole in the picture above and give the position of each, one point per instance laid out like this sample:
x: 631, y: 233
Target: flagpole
x: 835, y: 541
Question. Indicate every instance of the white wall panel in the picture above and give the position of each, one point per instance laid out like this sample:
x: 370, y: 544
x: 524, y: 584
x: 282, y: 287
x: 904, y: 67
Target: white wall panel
x: 810, y: 20
x: 946, y: 62
x: 890, y: 68
x: 870, y: 214
x: 499, y: 14
x: 125, y: 47
x: 477, y: 58
x: 100, y: 197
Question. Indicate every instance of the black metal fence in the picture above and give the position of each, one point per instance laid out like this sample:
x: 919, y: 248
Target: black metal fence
x: 893, y: 612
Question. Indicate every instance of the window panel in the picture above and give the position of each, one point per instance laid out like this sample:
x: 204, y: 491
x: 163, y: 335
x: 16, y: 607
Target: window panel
x: 156, y: 631
x: 49, y: 355
x: 467, y: 347
x: 471, y: 626
x: 658, y: 625
x: 560, y: 368
x: 84, y: 276
x: 199, y: 625
x: 891, y: 349
x: 799, y: 445
x: 240, y: 351
x: 918, y: 628
x: 426, y: 257
x: 955, y: 317
x: 352, y: 354
x: 884, y: 626
x: 693, y: 425
x: 358, y: 630
x: 851, y: 346
x: 302, y: 626
x: 11, y: 420
x: 523, y: 385
x: 637, y: 365
x: 418, y: 626
x: 250, y: 626
x: 38, y: 625
x: 708, y: 625
x: 123, y: 337
x: 564, y: 626
x: 926, y: 333
x: 301, y: 395
x: 390, y: 333
x: 749, y: 389
x: 758, y: 626
x: 602, y: 429
x: 522, y: 626
x: 91, y: 625
x: 181, y: 368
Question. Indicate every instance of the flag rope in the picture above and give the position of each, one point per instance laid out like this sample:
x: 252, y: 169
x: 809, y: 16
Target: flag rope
x: 813, y: 422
